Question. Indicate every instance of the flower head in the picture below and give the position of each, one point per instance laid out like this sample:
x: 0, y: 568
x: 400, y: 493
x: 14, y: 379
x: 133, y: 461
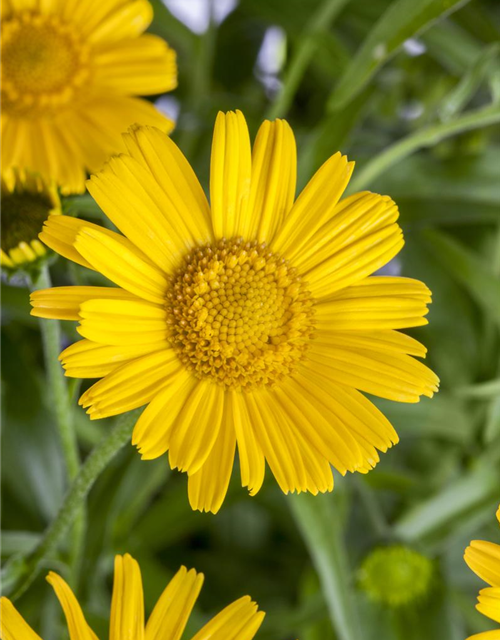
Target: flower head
x: 251, y: 322
x: 396, y: 576
x: 70, y: 71
x: 27, y: 202
x: 484, y: 559
x: 167, y: 621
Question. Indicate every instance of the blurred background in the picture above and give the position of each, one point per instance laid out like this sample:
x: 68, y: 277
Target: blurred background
x: 410, y: 90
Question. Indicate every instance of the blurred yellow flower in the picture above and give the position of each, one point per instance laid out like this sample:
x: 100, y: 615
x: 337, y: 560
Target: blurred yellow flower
x: 484, y: 559
x: 250, y: 322
x: 27, y: 202
x: 167, y: 621
x: 70, y: 71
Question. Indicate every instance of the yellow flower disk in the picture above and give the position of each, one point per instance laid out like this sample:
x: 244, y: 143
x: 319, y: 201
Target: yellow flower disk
x: 241, y: 619
x: 253, y: 322
x: 70, y: 74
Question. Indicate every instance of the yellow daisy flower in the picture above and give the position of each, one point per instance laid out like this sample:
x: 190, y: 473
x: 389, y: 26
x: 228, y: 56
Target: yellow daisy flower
x: 252, y: 322
x: 241, y: 619
x: 27, y: 202
x: 70, y: 71
x: 484, y: 559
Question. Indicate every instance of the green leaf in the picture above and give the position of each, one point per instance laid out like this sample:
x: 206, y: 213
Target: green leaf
x: 402, y: 20
x: 318, y: 522
x: 469, y: 270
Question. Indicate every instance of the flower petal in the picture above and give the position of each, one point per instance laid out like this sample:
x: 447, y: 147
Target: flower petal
x: 127, y: 603
x: 274, y: 179
x: 239, y: 621
x: 314, y: 206
x: 489, y: 603
x: 132, y: 385
x: 77, y: 625
x: 230, y: 173
x: 125, y: 266
x: 208, y: 487
x: 484, y: 559
x: 63, y: 303
x: 12, y: 624
x: 171, y: 613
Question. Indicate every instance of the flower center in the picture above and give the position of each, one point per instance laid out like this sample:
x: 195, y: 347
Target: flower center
x: 43, y: 63
x: 23, y: 215
x: 396, y: 575
x: 239, y: 314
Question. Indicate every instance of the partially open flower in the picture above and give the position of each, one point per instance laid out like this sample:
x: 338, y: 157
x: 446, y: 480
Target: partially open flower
x: 27, y: 202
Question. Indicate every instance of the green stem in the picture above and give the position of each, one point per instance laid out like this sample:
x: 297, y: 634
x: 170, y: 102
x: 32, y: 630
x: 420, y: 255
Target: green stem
x: 319, y: 524
x: 309, y: 42
x: 425, y: 137
x: 93, y: 466
x: 51, y: 338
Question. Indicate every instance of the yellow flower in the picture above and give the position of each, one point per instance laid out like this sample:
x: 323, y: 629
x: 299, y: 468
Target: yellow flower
x: 70, y: 71
x: 27, y: 202
x: 484, y: 559
x: 252, y: 322
x: 241, y: 619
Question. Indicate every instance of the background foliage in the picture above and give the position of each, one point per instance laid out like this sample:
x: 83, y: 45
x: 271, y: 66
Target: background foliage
x: 410, y: 89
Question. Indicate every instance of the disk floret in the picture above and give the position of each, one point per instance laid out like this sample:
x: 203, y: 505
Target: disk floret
x: 239, y: 314
x: 44, y: 61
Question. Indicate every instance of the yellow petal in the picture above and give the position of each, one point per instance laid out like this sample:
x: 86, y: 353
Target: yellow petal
x: 384, y: 341
x: 86, y: 359
x: 486, y: 635
x: 153, y: 429
x: 63, y: 303
x: 314, y: 206
x: 118, y: 322
x: 77, y: 625
x: 127, y: 604
x: 13, y: 625
x: 252, y: 461
x: 60, y: 232
x: 375, y: 304
x: 159, y: 155
x: 197, y: 427
x: 131, y: 385
x: 208, y: 486
x: 274, y: 178
x: 239, y: 621
x: 124, y: 266
x: 484, y: 559
x: 230, y: 173
x: 141, y: 66
x: 171, y: 613
x: 489, y: 603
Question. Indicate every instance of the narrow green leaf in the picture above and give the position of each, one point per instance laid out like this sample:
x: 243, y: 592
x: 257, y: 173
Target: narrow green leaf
x: 426, y: 137
x: 469, y: 83
x: 402, y: 20
x: 483, y: 390
x: 442, y: 510
x: 492, y: 428
x: 318, y: 522
x: 469, y: 270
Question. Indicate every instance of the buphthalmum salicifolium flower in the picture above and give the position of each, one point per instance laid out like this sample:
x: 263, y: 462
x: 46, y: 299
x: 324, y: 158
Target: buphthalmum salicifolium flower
x: 27, y: 202
x: 484, y: 559
x: 70, y: 74
x: 251, y: 322
x: 239, y: 621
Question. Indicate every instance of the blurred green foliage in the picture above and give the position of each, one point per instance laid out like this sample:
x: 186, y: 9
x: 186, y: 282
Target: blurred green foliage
x: 410, y: 89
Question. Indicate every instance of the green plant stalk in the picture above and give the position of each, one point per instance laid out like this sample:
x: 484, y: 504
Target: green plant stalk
x: 91, y: 469
x: 51, y: 338
x: 426, y: 137
x: 319, y: 525
x: 320, y: 22
x: 61, y: 401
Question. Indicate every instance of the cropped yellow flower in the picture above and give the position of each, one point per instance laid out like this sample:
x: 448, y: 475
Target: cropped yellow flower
x: 252, y: 322
x: 27, y: 202
x: 484, y: 559
x: 167, y: 621
x: 70, y: 71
